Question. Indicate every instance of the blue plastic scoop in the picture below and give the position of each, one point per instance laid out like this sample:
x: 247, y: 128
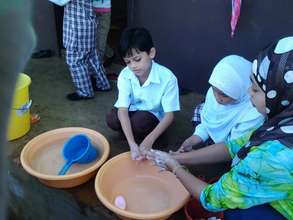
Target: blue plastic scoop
x: 78, y: 149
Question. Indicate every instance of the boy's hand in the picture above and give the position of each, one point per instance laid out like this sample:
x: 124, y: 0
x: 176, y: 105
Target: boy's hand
x: 135, y: 152
x: 143, y: 152
x: 145, y: 147
x: 146, y: 144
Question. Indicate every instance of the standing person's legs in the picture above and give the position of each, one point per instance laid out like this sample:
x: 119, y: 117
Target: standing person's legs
x: 78, y: 66
x: 102, y: 82
x: 104, y: 23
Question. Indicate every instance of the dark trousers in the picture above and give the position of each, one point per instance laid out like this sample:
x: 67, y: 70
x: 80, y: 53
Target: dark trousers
x: 142, y: 122
x: 257, y: 212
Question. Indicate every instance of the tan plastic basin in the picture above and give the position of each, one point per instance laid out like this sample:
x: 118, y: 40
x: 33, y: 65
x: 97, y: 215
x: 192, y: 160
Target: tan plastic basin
x: 41, y: 157
x: 149, y: 193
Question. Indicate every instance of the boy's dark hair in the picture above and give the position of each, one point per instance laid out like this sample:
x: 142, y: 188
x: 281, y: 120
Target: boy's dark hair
x: 135, y: 38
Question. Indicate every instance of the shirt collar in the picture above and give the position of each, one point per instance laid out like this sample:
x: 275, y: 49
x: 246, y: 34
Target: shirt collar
x: 154, y: 74
x: 152, y: 78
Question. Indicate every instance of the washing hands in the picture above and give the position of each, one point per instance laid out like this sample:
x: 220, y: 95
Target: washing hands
x: 163, y: 160
x: 138, y: 152
x: 187, y: 145
x: 135, y: 152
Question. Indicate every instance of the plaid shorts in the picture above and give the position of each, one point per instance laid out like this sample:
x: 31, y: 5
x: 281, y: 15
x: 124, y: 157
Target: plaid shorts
x: 79, y: 26
x: 196, y: 114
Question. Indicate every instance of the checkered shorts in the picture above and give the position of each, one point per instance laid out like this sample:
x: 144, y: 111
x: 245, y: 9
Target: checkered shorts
x: 79, y: 25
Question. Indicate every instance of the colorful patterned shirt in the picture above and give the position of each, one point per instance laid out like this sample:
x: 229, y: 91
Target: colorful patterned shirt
x: 264, y: 176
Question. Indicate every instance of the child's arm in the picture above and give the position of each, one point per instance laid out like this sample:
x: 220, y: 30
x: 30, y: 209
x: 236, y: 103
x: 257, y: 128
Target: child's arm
x: 187, y: 145
x: 200, y: 135
x: 191, y: 183
x: 126, y: 127
x: 211, y: 154
x: 149, y: 140
x: 170, y: 103
x: 201, y: 132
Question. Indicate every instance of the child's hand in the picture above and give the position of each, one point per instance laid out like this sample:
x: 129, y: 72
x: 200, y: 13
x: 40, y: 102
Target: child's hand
x: 186, y: 145
x: 146, y: 144
x: 135, y: 155
x: 135, y: 152
x: 144, y: 152
x: 162, y: 159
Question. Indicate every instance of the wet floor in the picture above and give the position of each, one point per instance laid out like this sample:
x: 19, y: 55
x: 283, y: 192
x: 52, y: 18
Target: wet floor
x: 30, y: 199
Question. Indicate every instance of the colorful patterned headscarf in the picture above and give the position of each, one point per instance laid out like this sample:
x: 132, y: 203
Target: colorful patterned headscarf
x: 273, y: 71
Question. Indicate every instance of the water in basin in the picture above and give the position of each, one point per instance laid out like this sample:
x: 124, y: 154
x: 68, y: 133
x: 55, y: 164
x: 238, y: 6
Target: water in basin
x: 143, y: 194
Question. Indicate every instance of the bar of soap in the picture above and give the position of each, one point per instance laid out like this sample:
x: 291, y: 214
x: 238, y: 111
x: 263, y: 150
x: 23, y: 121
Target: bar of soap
x: 120, y: 202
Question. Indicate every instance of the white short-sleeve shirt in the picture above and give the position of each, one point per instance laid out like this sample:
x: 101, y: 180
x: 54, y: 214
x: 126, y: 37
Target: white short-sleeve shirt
x: 159, y: 93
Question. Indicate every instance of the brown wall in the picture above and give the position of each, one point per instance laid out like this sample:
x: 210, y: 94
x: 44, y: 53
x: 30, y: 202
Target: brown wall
x: 192, y: 35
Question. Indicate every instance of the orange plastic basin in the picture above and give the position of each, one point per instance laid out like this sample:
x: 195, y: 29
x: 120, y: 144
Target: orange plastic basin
x: 41, y: 157
x: 149, y: 193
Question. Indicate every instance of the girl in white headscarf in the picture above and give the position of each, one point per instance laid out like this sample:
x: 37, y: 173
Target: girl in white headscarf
x: 259, y: 184
x: 227, y: 112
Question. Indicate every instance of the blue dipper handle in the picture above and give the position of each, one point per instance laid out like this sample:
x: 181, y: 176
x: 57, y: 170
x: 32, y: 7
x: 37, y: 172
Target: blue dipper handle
x: 65, y: 168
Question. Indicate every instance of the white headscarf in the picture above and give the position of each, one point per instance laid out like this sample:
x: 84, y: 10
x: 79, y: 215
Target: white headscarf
x: 231, y: 76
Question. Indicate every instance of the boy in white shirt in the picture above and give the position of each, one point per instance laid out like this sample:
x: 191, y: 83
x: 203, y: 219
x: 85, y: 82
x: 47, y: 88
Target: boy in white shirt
x: 148, y: 93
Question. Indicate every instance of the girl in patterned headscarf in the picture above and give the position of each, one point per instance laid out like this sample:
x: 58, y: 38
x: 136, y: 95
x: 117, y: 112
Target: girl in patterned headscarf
x: 260, y: 182
x: 273, y: 78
